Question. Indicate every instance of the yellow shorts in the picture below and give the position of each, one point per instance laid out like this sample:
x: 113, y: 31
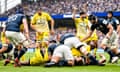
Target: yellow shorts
x: 35, y: 61
x: 75, y: 52
x: 38, y: 59
x: 42, y: 36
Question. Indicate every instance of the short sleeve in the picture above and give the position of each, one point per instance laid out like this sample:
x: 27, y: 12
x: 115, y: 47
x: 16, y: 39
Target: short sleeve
x: 48, y: 17
x: 104, y: 22
x: 117, y: 22
x: 77, y: 20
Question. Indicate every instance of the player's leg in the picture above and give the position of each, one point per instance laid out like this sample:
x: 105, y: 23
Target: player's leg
x: 106, y: 45
x: 114, y: 48
x: 26, y: 63
x: 61, y: 53
x: 20, y: 38
x: 56, y: 57
x: 9, y: 52
x: 68, y: 56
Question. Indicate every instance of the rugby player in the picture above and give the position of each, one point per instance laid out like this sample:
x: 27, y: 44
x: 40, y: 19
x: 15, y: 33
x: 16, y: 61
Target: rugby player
x: 82, y: 26
x: 12, y: 32
x: 109, y: 43
x: 115, y: 23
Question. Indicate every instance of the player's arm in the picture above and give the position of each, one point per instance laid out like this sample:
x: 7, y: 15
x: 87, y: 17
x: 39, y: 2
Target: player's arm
x: 33, y: 22
x: 91, y: 30
x: 118, y: 26
x: 4, y: 28
x: 26, y: 28
x: 4, y: 48
x: 110, y: 27
x: 88, y: 36
x: 49, y: 53
x: 74, y: 12
x: 49, y: 18
x: 52, y: 25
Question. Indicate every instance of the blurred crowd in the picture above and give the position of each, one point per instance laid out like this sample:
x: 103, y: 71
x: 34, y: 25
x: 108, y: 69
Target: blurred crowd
x: 65, y: 6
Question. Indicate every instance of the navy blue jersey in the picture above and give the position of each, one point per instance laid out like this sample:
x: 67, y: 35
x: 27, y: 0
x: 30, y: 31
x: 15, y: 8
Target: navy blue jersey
x: 51, y: 48
x: 13, y: 23
x: 65, y: 36
x: 114, y: 22
x: 101, y: 25
x: 10, y: 46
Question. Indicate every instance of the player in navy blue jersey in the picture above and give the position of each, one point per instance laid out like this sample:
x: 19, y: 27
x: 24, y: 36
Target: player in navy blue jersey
x: 12, y: 32
x: 109, y: 43
x: 115, y: 23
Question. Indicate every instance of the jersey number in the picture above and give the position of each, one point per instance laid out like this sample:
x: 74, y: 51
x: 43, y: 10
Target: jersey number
x: 12, y: 18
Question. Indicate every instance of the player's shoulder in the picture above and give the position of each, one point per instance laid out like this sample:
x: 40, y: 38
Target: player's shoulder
x: 20, y: 15
x: 114, y: 18
x: 36, y: 14
x: 86, y: 20
x: 101, y: 20
x: 45, y: 13
x: 78, y: 19
x: 52, y: 45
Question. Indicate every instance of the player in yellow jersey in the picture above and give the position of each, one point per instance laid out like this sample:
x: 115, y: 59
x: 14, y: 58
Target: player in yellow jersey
x: 40, y: 55
x: 82, y: 27
x: 40, y: 24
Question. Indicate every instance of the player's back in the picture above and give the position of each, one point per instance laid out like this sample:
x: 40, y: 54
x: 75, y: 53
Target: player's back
x: 65, y: 36
x: 13, y: 23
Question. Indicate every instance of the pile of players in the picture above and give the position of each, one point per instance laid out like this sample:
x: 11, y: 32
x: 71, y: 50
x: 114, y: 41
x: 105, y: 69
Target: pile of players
x: 68, y: 49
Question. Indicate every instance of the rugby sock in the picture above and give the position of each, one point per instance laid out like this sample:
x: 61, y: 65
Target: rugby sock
x: 92, y: 58
x: 3, y: 56
x: 22, y: 52
x: 109, y: 52
x: 15, y: 53
x: 63, y: 63
x: 42, y: 53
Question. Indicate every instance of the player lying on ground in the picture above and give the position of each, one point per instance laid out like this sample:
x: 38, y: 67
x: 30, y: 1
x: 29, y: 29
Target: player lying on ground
x: 72, y: 41
x: 40, y: 57
x: 56, y: 54
x: 61, y: 53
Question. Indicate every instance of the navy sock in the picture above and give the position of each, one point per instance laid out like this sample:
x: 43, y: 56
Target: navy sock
x: 109, y: 52
x: 22, y: 52
x: 42, y: 53
x: 15, y: 53
x: 92, y: 58
x: 63, y: 63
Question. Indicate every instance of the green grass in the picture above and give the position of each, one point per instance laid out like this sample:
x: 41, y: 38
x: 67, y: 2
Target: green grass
x: 107, y: 68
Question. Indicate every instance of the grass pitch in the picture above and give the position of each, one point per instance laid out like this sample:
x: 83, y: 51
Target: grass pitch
x: 107, y: 68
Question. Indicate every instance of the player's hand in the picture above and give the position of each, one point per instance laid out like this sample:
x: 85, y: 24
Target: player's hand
x: 107, y: 36
x: 75, y: 8
x: 52, y: 32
